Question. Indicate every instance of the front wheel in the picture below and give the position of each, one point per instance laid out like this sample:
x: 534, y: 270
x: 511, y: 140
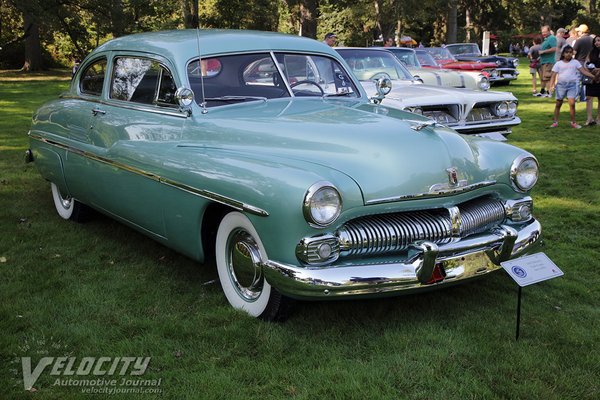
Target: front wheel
x: 67, y: 207
x: 239, y: 254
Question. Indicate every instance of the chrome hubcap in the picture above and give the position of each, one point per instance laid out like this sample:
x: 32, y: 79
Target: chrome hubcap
x: 65, y: 201
x: 243, y: 260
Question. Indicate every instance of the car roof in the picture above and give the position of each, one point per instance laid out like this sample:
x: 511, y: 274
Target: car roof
x: 185, y: 43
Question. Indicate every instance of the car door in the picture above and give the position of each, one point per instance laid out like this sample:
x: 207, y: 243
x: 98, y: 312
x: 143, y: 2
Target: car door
x: 136, y: 119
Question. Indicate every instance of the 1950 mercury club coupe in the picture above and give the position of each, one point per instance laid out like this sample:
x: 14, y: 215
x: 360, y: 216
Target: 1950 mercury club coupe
x: 263, y: 151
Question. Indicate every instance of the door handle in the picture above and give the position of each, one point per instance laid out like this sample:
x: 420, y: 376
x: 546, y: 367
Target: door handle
x: 97, y: 111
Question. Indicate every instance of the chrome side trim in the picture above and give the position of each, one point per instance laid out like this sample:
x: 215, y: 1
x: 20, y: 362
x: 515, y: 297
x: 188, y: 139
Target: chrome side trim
x: 132, y: 106
x: 440, y: 193
x: 238, y: 205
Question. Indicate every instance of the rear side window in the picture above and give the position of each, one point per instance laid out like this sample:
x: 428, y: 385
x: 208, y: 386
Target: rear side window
x: 92, y: 79
x: 142, y: 80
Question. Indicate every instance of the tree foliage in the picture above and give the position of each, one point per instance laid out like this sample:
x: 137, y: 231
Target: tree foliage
x: 34, y: 33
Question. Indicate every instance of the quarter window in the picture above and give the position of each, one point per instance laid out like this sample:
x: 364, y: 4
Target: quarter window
x: 141, y: 80
x: 92, y: 79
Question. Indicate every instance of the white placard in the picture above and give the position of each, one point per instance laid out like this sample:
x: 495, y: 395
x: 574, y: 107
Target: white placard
x: 531, y: 269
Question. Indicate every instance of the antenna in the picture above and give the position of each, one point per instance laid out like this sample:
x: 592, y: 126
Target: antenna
x: 203, y: 104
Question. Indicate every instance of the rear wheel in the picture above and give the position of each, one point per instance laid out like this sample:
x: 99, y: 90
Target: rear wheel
x: 67, y: 207
x: 239, y: 254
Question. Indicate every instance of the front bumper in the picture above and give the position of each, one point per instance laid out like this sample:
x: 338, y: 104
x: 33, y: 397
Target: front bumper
x: 504, y: 74
x: 428, y: 266
x: 502, y: 127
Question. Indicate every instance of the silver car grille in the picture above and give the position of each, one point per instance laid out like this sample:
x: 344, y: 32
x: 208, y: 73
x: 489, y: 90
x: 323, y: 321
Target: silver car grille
x: 387, y: 233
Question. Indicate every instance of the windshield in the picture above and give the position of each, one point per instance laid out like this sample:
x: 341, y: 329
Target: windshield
x: 465, y: 48
x: 426, y: 59
x: 251, y: 77
x: 408, y: 57
x: 370, y: 64
x: 441, y: 54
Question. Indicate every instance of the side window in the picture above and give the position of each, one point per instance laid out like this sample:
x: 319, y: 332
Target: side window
x: 141, y: 80
x: 92, y: 79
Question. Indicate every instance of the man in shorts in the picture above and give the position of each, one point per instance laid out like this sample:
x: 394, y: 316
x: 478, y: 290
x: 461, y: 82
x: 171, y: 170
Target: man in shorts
x: 547, y: 59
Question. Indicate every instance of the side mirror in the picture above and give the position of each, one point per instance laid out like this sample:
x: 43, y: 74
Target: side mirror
x: 383, y: 86
x: 184, y: 96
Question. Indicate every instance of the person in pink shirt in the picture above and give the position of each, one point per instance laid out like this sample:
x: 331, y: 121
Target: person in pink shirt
x: 565, y: 83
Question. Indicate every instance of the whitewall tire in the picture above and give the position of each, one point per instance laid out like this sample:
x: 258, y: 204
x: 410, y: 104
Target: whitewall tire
x: 66, y: 206
x: 239, y: 253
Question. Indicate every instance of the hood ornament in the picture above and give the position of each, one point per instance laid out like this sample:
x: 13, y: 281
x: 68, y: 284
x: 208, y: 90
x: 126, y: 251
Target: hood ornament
x: 453, y: 182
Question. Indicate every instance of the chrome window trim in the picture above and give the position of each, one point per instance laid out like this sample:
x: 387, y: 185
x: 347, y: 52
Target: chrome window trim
x: 425, y: 195
x: 238, y: 205
x: 79, y: 74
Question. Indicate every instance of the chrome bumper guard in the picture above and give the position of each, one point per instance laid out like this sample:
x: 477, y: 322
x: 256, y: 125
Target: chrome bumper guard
x: 467, y: 258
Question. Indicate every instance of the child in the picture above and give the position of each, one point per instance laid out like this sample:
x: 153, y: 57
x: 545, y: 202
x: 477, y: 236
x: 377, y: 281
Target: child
x: 565, y: 81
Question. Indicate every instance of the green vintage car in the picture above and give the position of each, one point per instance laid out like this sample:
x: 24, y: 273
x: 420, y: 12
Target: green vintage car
x: 263, y: 151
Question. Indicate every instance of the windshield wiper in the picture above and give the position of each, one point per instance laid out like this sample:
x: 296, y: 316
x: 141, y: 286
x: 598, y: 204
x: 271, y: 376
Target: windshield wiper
x: 235, y: 98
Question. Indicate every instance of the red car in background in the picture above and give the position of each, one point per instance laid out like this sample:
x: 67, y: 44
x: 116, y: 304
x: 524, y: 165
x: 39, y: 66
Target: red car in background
x: 442, y: 58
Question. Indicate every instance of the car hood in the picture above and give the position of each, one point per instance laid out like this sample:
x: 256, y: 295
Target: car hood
x: 383, y: 155
x: 406, y: 94
x: 440, y: 77
x: 468, y: 65
x: 499, y: 61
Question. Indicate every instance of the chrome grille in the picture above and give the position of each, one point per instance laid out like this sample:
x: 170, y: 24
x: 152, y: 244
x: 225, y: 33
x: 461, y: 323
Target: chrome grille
x: 387, y: 233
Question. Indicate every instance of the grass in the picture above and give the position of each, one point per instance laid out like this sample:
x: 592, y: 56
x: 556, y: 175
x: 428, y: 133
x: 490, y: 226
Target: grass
x: 101, y: 289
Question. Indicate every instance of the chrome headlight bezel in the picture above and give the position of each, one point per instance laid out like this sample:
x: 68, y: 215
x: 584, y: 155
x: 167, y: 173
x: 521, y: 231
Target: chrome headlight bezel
x: 312, y: 200
x: 524, y: 173
x: 500, y: 109
x: 483, y: 82
x: 512, y: 108
x: 515, y: 62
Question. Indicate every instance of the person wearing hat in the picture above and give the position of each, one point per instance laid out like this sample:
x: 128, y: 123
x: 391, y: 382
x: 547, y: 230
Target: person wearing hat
x: 584, y: 43
x: 330, y: 39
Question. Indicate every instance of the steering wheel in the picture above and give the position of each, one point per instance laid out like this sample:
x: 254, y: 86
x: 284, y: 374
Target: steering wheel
x: 380, y: 75
x: 293, y: 85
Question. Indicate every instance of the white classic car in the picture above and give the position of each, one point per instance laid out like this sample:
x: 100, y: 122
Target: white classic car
x: 476, y: 80
x: 490, y: 114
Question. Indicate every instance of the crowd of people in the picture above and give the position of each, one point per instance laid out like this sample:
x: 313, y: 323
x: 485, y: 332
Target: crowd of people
x: 568, y: 64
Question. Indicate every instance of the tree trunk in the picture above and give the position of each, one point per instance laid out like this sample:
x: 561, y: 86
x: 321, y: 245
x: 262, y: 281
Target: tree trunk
x: 452, y: 27
x: 190, y: 14
x: 33, y: 49
x: 309, y: 10
x: 468, y: 25
x: 378, y: 19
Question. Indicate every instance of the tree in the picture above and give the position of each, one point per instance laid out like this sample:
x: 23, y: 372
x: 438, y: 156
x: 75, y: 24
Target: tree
x: 33, y: 49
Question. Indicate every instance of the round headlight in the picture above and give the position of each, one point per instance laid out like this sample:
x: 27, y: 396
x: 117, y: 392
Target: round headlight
x: 524, y: 173
x: 501, y: 109
x: 516, y: 62
x: 322, y: 204
x: 512, y: 108
x: 484, y: 83
x: 498, y: 62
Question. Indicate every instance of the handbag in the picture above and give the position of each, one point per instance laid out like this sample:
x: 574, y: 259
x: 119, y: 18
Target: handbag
x: 534, y: 63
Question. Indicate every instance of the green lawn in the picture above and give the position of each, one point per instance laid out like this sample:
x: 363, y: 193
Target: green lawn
x: 101, y: 289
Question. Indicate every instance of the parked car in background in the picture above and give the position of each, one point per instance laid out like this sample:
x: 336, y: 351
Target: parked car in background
x: 440, y: 77
x: 262, y: 151
x: 445, y: 59
x: 490, y: 114
x: 506, y: 66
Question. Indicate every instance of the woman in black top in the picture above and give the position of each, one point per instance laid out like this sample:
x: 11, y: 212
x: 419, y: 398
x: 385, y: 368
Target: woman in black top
x: 593, y: 90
